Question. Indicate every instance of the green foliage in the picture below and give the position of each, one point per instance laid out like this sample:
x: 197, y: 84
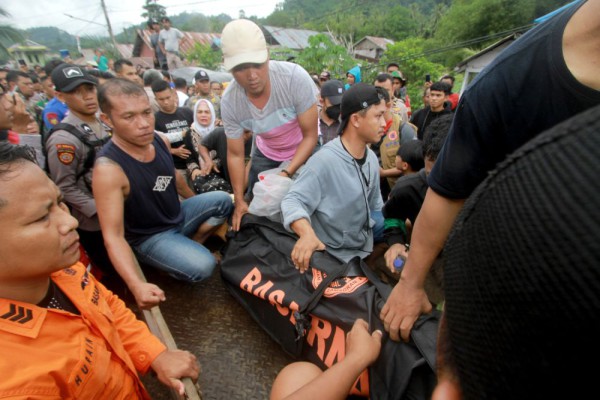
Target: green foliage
x: 414, y: 65
x: 205, y: 56
x: 153, y: 10
x: 322, y: 53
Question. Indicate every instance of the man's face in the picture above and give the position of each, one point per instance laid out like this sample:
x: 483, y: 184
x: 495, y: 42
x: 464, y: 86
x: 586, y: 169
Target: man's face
x: 6, y: 110
x: 387, y: 85
x: 48, y: 88
x: 166, y: 24
x: 25, y: 86
x: 371, y: 125
x: 156, y: 27
x: 392, y: 68
x: 166, y: 101
x: 436, y: 100
x: 254, y: 78
x: 128, y: 72
x: 397, y: 84
x: 426, y: 97
x: 131, y: 119
x: 350, y: 78
x: 82, y: 100
x: 203, y: 87
x: 3, y: 80
x: 38, y: 232
x: 216, y: 88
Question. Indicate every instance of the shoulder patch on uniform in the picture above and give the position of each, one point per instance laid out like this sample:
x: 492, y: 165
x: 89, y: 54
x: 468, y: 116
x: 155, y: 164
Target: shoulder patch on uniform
x: 65, y: 153
x: 87, y: 128
x: 52, y: 118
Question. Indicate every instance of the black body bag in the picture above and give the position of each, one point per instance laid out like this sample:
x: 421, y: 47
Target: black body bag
x: 309, y: 314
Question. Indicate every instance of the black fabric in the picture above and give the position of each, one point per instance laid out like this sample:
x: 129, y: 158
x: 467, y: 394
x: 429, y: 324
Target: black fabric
x: 217, y: 141
x: 406, y: 197
x: 329, y: 297
x: 211, y: 183
x: 180, y: 120
x: 522, y: 302
x: 527, y: 89
x: 152, y: 205
x: 422, y: 118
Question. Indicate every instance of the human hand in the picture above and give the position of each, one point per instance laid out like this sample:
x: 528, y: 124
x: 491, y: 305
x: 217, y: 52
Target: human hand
x: 218, y: 122
x: 181, y: 152
x: 303, y: 250
x: 207, y: 166
x: 241, y: 208
x: 402, y: 309
x: 196, y: 173
x: 396, y: 250
x: 172, y: 365
x: 362, y: 346
x: 147, y: 295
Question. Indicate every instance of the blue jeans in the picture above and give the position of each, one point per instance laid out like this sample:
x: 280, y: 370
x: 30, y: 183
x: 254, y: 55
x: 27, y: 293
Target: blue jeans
x: 174, y: 252
x: 379, y: 226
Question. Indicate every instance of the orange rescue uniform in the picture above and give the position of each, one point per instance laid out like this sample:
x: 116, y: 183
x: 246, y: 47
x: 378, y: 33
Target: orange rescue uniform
x: 54, y: 354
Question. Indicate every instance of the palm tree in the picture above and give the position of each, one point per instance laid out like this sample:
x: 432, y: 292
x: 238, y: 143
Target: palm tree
x: 8, y: 35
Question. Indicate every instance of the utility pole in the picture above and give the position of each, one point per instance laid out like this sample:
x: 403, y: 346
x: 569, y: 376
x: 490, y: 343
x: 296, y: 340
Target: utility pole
x: 110, y: 32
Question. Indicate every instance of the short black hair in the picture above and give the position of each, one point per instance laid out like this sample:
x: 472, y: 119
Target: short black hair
x: 14, y: 75
x: 180, y: 83
x: 411, y: 153
x: 160, y: 86
x: 11, y: 154
x: 440, y: 87
x: 384, y: 77
x: 435, y: 135
x: 392, y: 64
x: 119, y: 64
x: 50, y: 65
x: 115, y: 87
x: 448, y: 76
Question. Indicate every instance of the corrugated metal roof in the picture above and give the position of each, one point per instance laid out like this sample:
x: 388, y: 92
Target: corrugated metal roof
x: 188, y: 40
x: 379, y: 41
x: 296, y: 39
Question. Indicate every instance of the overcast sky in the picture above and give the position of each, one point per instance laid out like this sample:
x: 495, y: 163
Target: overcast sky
x: 122, y: 13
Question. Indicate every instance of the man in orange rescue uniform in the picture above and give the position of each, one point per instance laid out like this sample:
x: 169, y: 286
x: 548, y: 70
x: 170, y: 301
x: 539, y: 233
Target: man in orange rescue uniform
x: 64, y: 335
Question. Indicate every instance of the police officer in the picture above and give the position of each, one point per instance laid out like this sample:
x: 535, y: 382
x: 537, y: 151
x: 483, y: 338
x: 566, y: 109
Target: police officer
x: 70, y: 150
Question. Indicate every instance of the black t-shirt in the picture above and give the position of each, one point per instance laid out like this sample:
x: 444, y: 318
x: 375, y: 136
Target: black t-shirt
x: 217, y: 141
x: 422, y: 118
x: 406, y: 198
x: 181, y: 120
x: 525, y: 91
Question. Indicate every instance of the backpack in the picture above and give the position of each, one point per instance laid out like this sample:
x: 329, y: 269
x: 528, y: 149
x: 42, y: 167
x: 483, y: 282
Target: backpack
x: 90, y: 144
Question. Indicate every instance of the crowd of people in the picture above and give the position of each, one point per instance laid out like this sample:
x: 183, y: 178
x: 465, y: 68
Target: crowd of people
x: 133, y: 168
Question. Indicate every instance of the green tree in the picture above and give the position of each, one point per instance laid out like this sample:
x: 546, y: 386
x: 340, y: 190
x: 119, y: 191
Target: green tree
x: 323, y: 53
x: 153, y: 10
x: 8, y: 36
x: 409, y: 54
x: 204, y: 55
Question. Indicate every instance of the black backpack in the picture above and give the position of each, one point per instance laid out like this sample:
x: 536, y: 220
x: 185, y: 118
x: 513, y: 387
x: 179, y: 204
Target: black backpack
x: 90, y: 144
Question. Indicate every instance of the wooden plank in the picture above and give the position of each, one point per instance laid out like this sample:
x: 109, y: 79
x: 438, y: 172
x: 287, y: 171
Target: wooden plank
x: 158, y: 326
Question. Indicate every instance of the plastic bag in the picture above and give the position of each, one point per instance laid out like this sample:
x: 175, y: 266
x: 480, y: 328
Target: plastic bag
x: 268, y: 193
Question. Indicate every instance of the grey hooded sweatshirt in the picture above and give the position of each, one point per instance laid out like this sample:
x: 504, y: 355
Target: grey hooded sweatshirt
x: 337, y: 199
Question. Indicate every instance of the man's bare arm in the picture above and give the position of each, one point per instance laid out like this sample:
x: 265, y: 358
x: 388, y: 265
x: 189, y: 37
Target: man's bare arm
x: 308, y: 122
x: 110, y: 186
x: 235, y: 164
x: 408, y: 299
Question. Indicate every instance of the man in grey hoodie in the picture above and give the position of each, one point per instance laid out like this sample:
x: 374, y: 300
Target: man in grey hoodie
x: 335, y: 202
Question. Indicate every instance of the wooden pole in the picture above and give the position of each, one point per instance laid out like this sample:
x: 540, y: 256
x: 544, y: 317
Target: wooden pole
x: 110, y: 32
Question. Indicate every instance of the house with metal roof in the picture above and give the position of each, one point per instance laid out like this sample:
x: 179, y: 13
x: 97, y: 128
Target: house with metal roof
x: 371, y: 48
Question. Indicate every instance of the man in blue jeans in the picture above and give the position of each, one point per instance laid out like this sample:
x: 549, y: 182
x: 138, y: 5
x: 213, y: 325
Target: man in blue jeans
x: 136, y: 190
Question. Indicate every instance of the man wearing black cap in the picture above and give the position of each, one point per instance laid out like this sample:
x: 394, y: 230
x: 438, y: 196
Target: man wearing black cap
x: 202, y: 89
x: 329, y: 116
x: 334, y: 201
x: 71, y: 151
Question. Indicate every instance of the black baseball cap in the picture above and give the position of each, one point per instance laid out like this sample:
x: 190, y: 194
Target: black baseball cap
x: 67, y: 77
x: 333, y: 90
x: 359, y: 97
x: 201, y: 75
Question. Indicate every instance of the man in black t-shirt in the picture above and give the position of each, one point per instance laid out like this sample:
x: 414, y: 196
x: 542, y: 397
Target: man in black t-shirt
x: 214, y: 147
x: 438, y: 95
x: 542, y: 79
x: 173, y: 121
